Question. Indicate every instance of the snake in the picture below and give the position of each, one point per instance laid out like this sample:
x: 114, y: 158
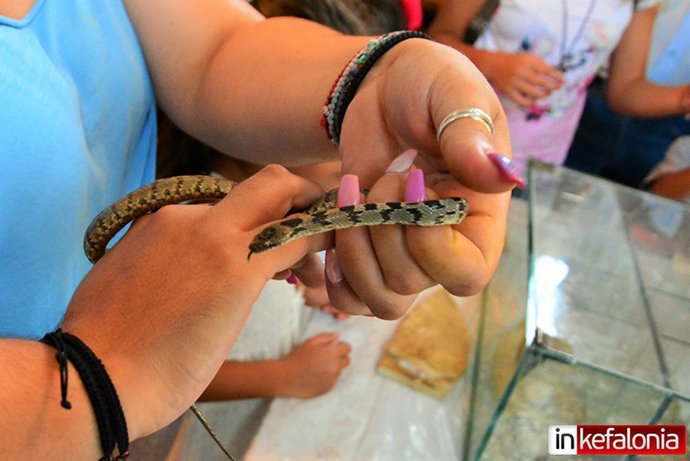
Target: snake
x: 322, y: 216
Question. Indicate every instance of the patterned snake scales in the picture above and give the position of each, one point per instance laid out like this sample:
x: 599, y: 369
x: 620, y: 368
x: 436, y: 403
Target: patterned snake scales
x: 322, y: 216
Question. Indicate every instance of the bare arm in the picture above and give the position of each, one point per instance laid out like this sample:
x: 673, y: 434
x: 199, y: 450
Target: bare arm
x: 629, y: 91
x: 310, y: 369
x: 255, y: 89
x: 33, y: 422
x: 673, y: 185
x: 245, y: 380
x: 247, y: 86
x: 450, y: 24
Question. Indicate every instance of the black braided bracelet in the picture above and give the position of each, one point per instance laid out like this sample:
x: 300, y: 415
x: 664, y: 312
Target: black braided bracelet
x: 347, y: 83
x: 112, y: 426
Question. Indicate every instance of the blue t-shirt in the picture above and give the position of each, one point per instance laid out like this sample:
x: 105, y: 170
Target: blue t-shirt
x: 77, y: 131
x: 669, y: 52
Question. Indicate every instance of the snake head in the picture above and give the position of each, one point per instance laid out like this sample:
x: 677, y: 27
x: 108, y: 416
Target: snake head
x: 265, y: 240
x: 275, y: 235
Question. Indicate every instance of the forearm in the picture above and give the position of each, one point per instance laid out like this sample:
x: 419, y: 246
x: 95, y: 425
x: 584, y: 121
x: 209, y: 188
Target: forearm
x: 250, y: 87
x: 33, y: 423
x: 641, y: 98
x: 288, y: 69
x: 246, y: 380
x: 629, y: 92
x: 673, y: 185
x: 452, y: 23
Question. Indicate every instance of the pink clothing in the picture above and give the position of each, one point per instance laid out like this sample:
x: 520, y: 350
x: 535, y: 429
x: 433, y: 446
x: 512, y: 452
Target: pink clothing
x: 413, y: 13
x: 577, y: 36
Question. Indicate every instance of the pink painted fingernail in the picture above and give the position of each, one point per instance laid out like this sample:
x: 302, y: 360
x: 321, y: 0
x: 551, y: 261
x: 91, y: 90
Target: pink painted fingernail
x: 348, y: 193
x: 507, y: 168
x: 292, y: 279
x: 414, y: 187
x: 402, y: 162
x: 333, y: 270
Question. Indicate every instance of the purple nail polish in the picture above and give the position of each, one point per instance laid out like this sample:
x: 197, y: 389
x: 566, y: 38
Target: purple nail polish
x: 507, y: 168
x: 348, y: 194
x: 414, y: 187
x: 292, y: 279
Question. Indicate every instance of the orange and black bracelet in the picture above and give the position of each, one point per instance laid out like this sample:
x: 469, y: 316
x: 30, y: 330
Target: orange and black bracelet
x: 112, y: 426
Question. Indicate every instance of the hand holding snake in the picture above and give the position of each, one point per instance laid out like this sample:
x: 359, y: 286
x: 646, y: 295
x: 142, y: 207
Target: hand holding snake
x: 385, y: 266
x: 206, y: 296
x: 322, y: 216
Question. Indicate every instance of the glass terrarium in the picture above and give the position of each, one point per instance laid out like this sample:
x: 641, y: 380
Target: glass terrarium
x: 587, y: 320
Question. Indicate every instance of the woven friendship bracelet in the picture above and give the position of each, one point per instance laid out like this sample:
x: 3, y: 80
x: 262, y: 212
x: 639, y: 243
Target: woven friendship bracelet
x: 110, y: 419
x: 347, y: 83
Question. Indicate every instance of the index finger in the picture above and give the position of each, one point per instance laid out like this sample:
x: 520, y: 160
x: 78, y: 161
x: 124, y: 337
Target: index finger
x: 463, y: 257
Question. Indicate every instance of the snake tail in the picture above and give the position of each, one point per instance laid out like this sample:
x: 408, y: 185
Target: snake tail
x: 146, y: 199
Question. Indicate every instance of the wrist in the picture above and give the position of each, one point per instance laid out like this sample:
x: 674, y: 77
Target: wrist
x: 354, y: 75
x: 30, y: 398
x: 282, y: 384
x: 133, y: 391
x: 73, y: 353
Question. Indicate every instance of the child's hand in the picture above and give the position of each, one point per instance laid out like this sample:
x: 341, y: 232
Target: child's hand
x: 313, y: 367
x: 525, y: 77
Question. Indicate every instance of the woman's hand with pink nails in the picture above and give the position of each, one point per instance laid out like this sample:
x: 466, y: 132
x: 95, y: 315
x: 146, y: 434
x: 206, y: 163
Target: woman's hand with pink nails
x: 380, y: 270
x: 358, y: 286
x: 375, y: 130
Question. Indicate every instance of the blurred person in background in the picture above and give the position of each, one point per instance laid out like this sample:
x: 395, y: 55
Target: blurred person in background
x: 650, y: 84
x: 540, y: 56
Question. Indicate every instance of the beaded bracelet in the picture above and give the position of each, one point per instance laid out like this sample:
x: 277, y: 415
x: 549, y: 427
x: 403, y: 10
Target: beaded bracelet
x: 353, y: 74
x: 110, y: 419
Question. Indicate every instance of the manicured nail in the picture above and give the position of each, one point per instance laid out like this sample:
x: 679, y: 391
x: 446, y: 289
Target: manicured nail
x: 348, y: 193
x: 507, y: 168
x: 292, y: 279
x: 414, y: 187
x: 402, y: 162
x: 333, y: 270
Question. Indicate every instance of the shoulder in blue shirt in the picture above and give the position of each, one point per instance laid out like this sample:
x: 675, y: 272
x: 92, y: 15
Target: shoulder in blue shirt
x: 77, y: 131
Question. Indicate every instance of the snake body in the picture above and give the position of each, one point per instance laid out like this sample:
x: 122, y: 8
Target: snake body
x: 322, y: 216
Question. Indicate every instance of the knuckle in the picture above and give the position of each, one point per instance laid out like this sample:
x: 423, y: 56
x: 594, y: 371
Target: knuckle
x: 403, y: 285
x: 165, y: 215
x: 387, y: 309
x: 278, y: 174
x: 470, y: 287
x: 275, y: 170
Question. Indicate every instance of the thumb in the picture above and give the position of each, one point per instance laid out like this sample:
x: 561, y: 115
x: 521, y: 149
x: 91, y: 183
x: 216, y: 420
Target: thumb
x: 265, y: 197
x: 479, y: 159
